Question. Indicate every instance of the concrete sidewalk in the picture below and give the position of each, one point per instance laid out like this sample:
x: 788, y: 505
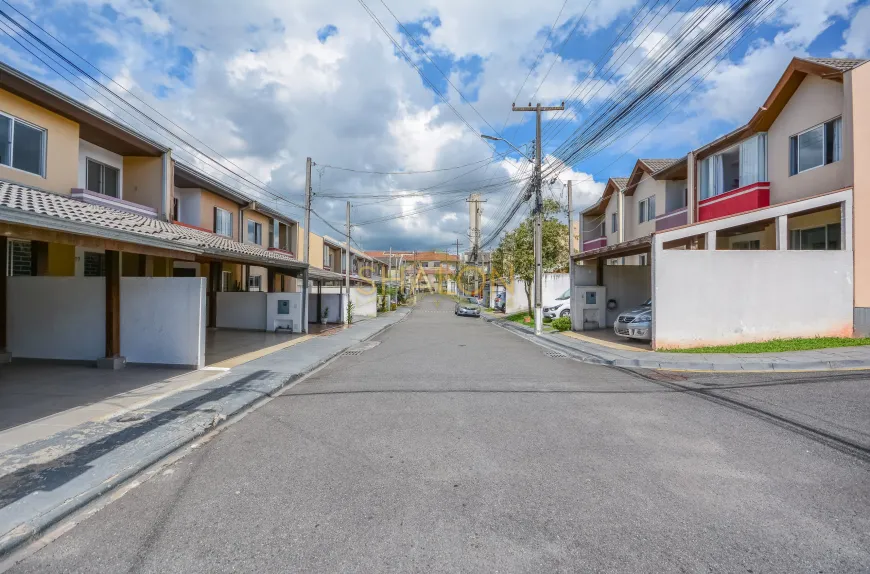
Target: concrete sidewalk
x: 834, y: 359
x: 43, y: 481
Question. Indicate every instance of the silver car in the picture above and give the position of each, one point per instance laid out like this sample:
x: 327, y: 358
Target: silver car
x: 635, y: 323
x: 467, y: 307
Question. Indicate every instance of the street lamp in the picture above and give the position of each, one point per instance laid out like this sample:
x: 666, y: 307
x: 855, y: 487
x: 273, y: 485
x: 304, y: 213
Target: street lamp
x: 495, y: 139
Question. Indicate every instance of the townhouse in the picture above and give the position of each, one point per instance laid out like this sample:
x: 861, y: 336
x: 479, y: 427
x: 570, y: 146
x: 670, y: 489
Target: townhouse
x: 763, y: 233
x: 115, y: 251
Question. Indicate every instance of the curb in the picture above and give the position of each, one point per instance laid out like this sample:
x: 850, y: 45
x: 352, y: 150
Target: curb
x: 27, y: 530
x: 590, y: 356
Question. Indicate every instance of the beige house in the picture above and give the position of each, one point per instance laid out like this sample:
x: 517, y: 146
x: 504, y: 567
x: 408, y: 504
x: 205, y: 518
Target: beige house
x: 789, y: 180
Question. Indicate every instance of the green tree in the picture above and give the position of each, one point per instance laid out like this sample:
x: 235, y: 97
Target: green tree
x: 515, y: 255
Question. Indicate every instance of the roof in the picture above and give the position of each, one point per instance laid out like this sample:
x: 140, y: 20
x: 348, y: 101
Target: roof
x: 420, y: 255
x: 38, y: 208
x: 94, y: 127
x: 613, y: 184
x: 624, y: 249
x: 659, y: 164
x: 649, y: 166
x: 841, y: 64
x: 188, y: 176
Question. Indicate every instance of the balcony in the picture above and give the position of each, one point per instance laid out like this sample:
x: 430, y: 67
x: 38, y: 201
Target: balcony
x: 94, y: 198
x: 676, y: 218
x: 746, y: 198
x: 595, y: 243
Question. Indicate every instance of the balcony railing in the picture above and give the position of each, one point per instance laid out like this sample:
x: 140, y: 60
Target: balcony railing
x: 94, y: 198
x: 675, y: 218
x: 595, y: 243
x: 746, y: 198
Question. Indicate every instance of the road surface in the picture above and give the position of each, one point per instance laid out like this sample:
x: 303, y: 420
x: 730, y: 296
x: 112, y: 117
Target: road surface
x: 457, y: 446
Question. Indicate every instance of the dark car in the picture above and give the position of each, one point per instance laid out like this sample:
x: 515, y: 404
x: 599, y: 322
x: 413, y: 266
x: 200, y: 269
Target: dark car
x: 468, y: 307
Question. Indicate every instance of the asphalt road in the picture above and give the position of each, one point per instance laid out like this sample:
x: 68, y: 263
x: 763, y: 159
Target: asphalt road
x: 457, y: 446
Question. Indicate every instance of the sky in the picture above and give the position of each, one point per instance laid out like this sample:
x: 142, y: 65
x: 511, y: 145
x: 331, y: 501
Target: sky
x: 267, y: 83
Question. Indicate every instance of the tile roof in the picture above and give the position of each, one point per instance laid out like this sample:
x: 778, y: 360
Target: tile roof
x: 842, y: 64
x: 53, y: 210
x: 620, y: 182
x: 659, y: 164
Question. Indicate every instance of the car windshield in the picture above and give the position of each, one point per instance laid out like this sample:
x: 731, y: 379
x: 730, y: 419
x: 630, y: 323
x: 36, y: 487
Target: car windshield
x: 471, y: 300
x: 565, y: 295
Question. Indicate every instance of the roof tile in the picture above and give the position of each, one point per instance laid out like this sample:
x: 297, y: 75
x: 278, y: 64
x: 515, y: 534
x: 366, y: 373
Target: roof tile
x: 842, y: 64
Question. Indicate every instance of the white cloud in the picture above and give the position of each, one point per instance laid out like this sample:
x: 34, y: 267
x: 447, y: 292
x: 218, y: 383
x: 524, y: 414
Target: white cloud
x: 857, y: 37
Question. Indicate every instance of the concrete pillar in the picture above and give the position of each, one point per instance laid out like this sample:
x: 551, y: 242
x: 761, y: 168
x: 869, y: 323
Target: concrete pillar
x: 711, y: 241
x: 782, y: 233
x: 4, y: 255
x: 113, y: 358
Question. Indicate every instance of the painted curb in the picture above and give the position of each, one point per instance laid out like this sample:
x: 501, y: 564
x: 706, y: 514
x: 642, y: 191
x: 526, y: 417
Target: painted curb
x: 22, y: 533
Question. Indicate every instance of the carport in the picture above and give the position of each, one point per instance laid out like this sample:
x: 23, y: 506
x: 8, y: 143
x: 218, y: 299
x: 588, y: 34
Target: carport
x: 625, y: 286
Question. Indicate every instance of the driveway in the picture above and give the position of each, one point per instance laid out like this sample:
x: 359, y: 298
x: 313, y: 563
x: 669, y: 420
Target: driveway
x: 454, y: 445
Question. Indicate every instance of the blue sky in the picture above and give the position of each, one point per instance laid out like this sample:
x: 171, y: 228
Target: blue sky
x: 267, y: 83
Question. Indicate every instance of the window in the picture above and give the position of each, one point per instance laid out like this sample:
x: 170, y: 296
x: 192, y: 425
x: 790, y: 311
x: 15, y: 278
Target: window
x: 254, y: 282
x: 826, y: 237
x: 95, y: 264
x: 175, y: 209
x: 102, y: 178
x: 226, y: 280
x: 24, y: 145
x: 646, y: 209
x: 613, y: 225
x: 643, y: 259
x: 255, y: 233
x: 739, y: 166
x: 18, y: 258
x: 751, y: 245
x: 223, y: 222
x: 815, y: 147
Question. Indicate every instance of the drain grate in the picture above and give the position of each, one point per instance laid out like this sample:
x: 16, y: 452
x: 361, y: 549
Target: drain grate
x: 556, y: 355
x: 360, y: 349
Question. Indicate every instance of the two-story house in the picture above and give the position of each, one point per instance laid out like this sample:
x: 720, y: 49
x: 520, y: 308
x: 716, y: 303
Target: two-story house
x: 734, y: 222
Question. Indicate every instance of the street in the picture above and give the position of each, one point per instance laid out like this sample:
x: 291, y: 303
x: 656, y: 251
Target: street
x: 455, y: 445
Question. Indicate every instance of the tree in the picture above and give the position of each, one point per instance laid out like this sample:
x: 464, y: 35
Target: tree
x: 515, y: 255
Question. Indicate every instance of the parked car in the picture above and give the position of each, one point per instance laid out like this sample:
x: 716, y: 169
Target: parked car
x: 560, y: 307
x: 635, y: 323
x: 467, y: 307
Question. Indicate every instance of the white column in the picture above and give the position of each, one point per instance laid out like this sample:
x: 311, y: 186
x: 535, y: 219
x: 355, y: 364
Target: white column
x: 782, y: 233
x: 711, y: 241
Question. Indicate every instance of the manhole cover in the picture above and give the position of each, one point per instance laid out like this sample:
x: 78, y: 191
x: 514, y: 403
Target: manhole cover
x: 556, y: 355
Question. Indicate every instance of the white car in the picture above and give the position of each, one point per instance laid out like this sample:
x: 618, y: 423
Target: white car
x: 561, y: 307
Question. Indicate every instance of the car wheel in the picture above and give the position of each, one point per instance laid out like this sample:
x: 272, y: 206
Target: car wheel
x: 565, y: 313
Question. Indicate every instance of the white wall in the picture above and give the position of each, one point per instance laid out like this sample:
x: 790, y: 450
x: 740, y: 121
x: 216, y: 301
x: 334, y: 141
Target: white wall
x: 56, y: 317
x: 274, y: 320
x: 721, y: 297
x: 96, y: 153
x: 163, y: 320
x: 189, y: 205
x: 365, y: 301
x: 240, y: 310
x: 553, y: 284
x: 628, y: 285
x: 331, y: 299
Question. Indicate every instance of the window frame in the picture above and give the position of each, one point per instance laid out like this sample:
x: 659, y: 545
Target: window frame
x: 794, y: 147
x: 644, y: 206
x: 825, y: 226
x: 255, y: 282
x: 43, y: 159
x: 103, y: 166
x: 614, y: 222
x: 258, y: 232
x: 217, y: 212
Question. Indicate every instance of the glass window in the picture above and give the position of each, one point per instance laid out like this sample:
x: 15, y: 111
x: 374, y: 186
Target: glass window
x: 103, y: 178
x: 95, y: 264
x: 646, y: 210
x: 810, y: 149
x: 5, y: 140
x: 22, y: 146
x: 651, y: 208
x: 223, y: 222
x: 93, y: 176
x: 816, y: 147
x: 255, y: 233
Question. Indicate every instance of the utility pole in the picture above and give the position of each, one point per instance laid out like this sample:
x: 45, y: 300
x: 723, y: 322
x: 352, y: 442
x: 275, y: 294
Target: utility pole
x: 347, y: 269
x: 456, y: 270
x: 570, y: 237
x: 308, y: 164
x: 390, y: 279
x: 539, y: 204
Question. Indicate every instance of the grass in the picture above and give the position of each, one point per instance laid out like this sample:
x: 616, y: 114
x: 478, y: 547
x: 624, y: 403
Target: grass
x: 520, y: 318
x: 779, y: 345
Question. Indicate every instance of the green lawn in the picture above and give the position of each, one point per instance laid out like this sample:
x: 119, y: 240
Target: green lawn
x: 778, y: 346
x: 520, y: 318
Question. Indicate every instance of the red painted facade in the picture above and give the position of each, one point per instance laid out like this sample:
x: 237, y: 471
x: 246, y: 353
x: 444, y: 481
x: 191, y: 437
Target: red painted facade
x: 742, y: 199
x: 591, y: 244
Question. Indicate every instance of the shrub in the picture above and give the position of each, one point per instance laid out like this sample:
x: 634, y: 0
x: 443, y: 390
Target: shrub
x: 548, y: 319
x: 350, y: 307
x: 562, y: 323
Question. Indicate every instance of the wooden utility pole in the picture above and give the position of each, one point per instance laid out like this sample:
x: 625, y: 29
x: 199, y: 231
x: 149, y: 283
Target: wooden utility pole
x: 539, y: 204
